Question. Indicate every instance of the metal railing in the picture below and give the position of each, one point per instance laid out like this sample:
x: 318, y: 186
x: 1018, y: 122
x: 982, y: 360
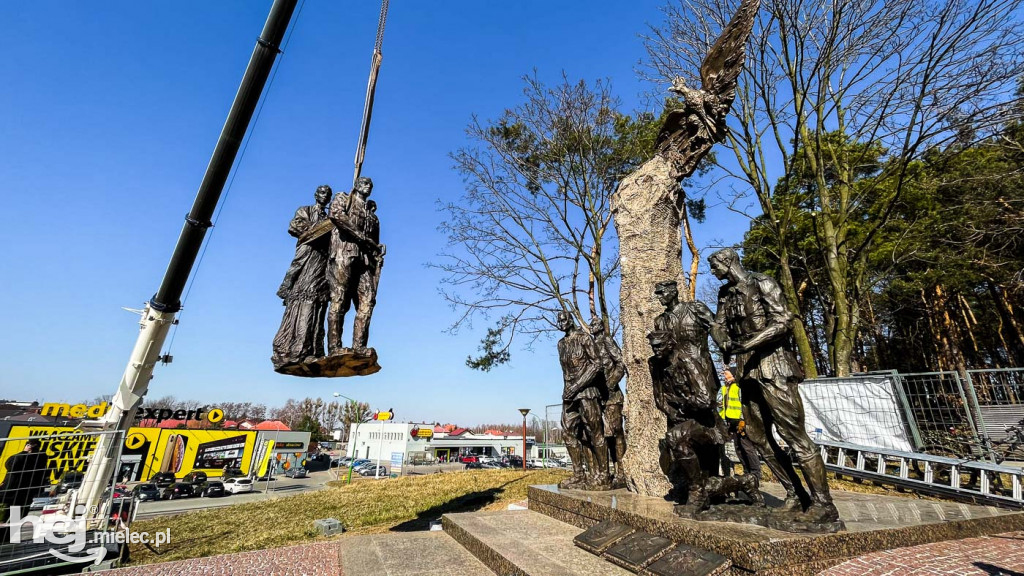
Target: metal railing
x: 962, y: 479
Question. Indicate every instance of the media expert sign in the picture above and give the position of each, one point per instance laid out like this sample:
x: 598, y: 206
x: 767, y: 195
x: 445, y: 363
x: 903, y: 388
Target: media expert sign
x: 159, y: 414
x: 155, y: 450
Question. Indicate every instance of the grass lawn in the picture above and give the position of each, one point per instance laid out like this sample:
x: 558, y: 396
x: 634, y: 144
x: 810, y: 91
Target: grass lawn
x: 407, y: 503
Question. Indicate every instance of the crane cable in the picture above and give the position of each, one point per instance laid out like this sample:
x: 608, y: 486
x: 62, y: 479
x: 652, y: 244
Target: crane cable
x: 371, y: 86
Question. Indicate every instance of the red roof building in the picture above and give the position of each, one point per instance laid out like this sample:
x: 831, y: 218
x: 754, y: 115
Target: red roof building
x: 273, y: 425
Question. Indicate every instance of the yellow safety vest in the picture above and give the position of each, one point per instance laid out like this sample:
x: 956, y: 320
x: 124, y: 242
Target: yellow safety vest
x: 731, y: 408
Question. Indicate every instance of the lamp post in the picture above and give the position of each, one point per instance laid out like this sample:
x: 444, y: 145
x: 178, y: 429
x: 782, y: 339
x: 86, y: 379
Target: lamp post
x: 537, y: 420
x: 547, y: 426
x: 524, y: 412
x: 352, y: 459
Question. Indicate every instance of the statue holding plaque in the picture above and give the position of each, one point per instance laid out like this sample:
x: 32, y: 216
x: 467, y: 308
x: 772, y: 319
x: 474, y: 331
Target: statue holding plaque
x: 300, y: 339
x: 346, y: 239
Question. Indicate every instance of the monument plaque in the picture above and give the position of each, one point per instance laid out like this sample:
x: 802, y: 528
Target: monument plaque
x: 685, y: 560
x: 602, y: 536
x: 638, y: 550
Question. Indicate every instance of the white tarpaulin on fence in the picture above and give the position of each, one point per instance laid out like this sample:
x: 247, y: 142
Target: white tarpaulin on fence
x: 863, y: 410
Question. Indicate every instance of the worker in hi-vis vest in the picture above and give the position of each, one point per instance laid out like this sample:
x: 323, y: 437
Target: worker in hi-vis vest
x: 731, y: 410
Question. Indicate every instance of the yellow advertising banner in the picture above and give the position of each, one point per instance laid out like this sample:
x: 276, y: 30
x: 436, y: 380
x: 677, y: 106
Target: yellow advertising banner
x: 146, y: 451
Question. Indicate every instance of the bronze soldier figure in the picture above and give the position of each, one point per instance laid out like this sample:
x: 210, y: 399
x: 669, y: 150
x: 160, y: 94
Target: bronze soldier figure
x: 582, y: 414
x: 753, y: 324
x: 686, y: 386
x: 689, y: 323
x: 690, y: 449
x: 304, y: 290
x: 355, y: 256
x: 614, y: 370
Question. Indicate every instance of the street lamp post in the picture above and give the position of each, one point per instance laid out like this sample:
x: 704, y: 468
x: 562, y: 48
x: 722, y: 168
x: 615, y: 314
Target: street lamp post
x: 537, y: 420
x: 524, y: 412
x: 352, y: 460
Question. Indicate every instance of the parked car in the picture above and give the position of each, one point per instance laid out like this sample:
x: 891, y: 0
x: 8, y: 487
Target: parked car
x: 69, y: 480
x: 468, y: 458
x: 342, y: 462
x: 196, y: 479
x: 145, y: 492
x: 296, y: 472
x: 363, y: 465
x: 232, y: 473
x: 489, y: 465
x: 178, y: 490
x: 40, y: 502
x: 213, y: 489
x: 474, y: 465
x: 373, y: 470
x: 238, y: 485
x: 163, y: 479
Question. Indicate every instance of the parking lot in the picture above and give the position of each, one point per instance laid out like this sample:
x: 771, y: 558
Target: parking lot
x: 279, y: 486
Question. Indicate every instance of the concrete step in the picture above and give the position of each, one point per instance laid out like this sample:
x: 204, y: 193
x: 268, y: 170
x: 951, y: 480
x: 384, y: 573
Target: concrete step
x: 525, y: 543
x: 407, y: 554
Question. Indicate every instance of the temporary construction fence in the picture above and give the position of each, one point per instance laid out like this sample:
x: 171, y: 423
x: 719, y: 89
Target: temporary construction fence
x: 975, y: 415
x: 45, y: 528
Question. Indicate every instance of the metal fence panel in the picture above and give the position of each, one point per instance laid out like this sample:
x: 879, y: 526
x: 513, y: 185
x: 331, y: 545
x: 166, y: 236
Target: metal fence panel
x: 38, y: 496
x: 944, y: 415
x: 999, y: 395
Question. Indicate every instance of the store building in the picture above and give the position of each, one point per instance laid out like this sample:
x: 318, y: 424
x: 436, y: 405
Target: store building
x: 418, y: 442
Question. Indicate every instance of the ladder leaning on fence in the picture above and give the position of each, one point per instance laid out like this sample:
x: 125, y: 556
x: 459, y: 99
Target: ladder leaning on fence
x: 962, y: 479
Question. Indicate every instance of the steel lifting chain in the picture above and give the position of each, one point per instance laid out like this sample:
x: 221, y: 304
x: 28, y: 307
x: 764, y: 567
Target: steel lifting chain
x: 371, y: 86
x: 380, y: 25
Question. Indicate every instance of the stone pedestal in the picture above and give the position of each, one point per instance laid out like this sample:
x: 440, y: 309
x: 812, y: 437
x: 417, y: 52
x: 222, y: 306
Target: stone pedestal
x: 347, y: 363
x: 873, y: 523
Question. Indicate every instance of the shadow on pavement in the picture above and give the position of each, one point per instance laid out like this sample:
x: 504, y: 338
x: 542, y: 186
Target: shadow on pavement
x: 993, y: 570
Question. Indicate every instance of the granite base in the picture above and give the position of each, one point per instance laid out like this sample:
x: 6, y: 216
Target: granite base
x: 873, y: 523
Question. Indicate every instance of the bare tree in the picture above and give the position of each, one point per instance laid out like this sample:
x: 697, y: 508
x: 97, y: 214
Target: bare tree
x: 353, y: 412
x: 827, y: 85
x: 532, y: 234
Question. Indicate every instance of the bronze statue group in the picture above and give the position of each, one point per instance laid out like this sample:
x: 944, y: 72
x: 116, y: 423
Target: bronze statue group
x: 337, y: 264
x: 752, y: 329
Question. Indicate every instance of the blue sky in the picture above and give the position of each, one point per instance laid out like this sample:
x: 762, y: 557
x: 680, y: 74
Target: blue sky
x: 111, y: 110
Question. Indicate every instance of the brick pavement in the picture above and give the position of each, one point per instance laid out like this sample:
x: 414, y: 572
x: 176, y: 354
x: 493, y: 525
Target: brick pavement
x: 316, y: 559
x: 1001, y: 554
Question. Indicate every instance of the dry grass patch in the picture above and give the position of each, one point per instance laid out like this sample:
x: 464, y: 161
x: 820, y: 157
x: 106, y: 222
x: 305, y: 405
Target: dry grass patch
x: 407, y: 503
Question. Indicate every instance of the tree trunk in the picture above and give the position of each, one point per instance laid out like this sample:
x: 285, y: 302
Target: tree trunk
x: 803, y: 343
x: 1016, y: 348
x: 647, y: 220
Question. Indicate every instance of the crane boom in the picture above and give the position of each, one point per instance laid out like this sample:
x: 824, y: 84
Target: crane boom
x: 160, y: 312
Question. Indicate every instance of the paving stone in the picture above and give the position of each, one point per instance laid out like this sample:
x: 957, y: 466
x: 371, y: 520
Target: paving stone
x: 316, y: 559
x: 407, y: 554
x: 1002, y: 554
x: 525, y: 543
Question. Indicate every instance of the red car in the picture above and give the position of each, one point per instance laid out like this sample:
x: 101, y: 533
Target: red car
x: 468, y: 459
